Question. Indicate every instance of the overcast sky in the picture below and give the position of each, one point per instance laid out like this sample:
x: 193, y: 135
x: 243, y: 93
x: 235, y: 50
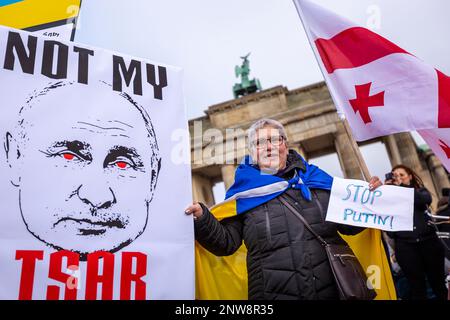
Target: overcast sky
x: 207, y: 37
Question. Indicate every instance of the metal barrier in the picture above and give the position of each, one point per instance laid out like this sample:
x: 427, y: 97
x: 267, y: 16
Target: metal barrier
x: 440, y: 223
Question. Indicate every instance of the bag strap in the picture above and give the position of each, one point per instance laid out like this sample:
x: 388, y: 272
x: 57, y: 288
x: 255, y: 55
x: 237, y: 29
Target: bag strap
x: 302, y: 219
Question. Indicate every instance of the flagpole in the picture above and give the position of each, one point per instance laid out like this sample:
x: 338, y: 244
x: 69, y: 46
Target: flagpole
x: 355, y: 147
x: 362, y: 164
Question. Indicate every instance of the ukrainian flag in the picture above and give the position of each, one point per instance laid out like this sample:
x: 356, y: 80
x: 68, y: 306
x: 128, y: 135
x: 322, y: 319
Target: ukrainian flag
x: 252, y: 187
x: 33, y: 15
x: 225, y: 278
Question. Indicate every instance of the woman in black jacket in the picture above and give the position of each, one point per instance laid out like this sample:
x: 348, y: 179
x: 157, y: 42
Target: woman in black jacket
x: 419, y: 252
x: 284, y: 259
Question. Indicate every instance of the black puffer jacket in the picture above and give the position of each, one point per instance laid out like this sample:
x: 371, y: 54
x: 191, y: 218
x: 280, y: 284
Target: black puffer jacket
x: 284, y: 261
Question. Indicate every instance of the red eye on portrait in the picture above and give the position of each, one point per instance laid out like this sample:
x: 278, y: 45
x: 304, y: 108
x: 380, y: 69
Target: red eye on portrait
x: 121, y: 164
x: 68, y: 156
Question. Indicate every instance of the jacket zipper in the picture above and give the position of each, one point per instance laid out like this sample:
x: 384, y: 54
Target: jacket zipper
x: 269, y: 234
x: 319, y: 205
x: 290, y: 247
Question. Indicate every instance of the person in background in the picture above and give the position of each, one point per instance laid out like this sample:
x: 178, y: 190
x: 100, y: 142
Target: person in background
x: 419, y: 252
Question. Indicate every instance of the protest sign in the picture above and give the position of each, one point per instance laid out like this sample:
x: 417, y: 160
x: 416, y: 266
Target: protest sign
x: 90, y: 198
x: 388, y: 208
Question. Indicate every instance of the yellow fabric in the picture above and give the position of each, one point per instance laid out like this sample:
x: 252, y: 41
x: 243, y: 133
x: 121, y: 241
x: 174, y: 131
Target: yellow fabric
x: 225, y: 278
x: 370, y: 252
x: 220, y: 278
x: 30, y: 13
x: 224, y: 210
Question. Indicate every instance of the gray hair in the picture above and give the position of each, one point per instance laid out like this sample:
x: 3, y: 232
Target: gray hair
x: 251, y: 132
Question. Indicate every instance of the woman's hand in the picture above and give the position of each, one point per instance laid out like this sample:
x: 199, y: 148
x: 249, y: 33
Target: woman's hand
x: 195, y: 209
x: 374, y: 183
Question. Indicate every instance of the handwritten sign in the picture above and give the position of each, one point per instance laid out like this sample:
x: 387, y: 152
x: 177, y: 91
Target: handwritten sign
x: 388, y: 208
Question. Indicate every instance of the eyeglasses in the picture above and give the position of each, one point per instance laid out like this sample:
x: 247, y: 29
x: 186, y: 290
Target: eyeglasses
x: 275, y: 141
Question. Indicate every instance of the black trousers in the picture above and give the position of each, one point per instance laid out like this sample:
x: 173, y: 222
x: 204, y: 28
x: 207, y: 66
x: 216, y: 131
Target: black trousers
x: 420, y: 261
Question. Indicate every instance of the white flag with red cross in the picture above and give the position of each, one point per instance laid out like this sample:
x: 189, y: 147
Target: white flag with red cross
x: 439, y: 141
x: 381, y: 88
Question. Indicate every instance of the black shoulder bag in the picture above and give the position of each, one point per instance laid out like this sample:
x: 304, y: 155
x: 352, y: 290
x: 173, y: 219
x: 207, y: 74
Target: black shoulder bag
x: 350, y: 277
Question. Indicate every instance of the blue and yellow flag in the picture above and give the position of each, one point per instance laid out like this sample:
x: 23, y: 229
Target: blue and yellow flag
x: 252, y: 187
x: 226, y: 277
x: 35, y: 15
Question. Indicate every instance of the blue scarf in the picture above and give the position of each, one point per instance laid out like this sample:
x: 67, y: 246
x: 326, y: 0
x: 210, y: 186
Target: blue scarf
x: 248, y: 178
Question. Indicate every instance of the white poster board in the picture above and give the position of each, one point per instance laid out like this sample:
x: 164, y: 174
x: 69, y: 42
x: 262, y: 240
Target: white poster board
x: 91, y: 196
x: 388, y: 208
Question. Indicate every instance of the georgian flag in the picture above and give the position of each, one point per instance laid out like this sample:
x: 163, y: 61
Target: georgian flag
x: 439, y: 141
x: 381, y: 88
